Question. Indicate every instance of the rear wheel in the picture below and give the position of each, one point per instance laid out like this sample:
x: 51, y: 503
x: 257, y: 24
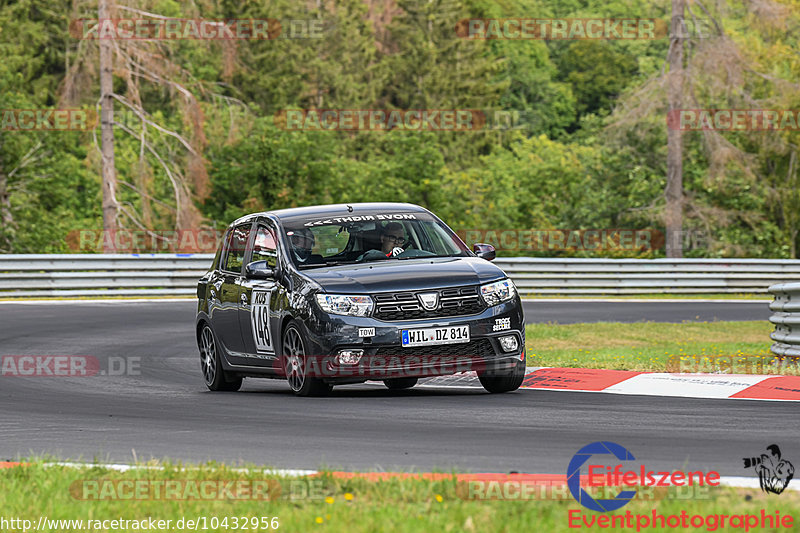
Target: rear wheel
x: 504, y: 382
x: 215, y: 377
x: 295, y: 364
x: 400, y: 383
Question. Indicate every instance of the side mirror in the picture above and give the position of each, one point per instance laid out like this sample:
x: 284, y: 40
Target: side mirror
x: 484, y: 251
x: 259, y: 270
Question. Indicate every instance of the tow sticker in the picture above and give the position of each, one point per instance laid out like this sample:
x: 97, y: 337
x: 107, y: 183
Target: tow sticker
x: 259, y: 313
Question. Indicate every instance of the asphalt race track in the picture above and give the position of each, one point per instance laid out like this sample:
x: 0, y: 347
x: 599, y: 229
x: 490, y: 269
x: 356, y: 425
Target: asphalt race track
x: 164, y: 410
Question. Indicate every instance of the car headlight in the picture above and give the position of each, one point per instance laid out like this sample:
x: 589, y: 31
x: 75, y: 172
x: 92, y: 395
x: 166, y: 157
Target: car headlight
x: 497, y: 292
x: 342, y: 304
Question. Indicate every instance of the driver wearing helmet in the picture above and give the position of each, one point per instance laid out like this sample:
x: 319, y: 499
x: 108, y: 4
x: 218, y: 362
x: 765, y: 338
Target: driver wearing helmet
x: 302, y: 243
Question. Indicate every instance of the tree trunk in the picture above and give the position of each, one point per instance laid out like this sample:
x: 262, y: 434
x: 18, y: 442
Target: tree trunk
x: 674, y: 189
x: 6, y: 219
x: 108, y: 169
x: 790, y: 214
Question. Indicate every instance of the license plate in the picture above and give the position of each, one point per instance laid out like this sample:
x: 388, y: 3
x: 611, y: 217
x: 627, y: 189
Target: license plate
x: 431, y: 336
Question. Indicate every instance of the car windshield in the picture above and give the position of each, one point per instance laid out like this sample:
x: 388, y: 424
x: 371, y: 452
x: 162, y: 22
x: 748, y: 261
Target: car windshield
x: 317, y: 242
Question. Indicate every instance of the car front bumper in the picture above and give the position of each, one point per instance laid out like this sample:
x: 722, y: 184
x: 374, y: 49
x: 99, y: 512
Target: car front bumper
x: 382, y: 355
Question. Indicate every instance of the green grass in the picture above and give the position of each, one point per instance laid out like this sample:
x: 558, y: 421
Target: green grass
x: 352, y: 506
x: 646, y: 346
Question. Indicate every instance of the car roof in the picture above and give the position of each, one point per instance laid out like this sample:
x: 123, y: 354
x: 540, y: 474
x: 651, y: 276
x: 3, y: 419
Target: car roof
x: 334, y: 210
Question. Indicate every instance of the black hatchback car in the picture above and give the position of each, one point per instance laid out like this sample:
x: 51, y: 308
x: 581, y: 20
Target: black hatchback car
x: 338, y: 294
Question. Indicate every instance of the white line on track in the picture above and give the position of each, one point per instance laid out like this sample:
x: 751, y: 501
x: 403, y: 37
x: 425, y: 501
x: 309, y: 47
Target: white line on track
x: 125, y: 468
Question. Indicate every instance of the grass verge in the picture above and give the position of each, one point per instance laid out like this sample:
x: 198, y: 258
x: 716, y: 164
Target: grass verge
x: 326, y: 503
x: 647, y: 346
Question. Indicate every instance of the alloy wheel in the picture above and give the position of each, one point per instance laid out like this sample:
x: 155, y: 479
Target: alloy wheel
x: 208, y: 355
x: 294, y: 352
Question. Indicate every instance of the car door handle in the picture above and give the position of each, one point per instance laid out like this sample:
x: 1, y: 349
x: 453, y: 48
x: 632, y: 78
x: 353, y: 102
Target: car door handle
x: 244, y: 299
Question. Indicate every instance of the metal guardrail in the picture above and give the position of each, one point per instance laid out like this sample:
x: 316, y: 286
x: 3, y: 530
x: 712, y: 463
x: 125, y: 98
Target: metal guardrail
x: 648, y: 276
x: 786, y: 317
x: 71, y: 275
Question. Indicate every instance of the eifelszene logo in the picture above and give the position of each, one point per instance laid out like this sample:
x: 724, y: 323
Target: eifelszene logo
x: 601, y: 475
x: 774, y: 473
x: 574, y: 476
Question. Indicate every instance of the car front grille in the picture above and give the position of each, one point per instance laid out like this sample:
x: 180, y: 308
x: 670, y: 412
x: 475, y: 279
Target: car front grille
x: 456, y: 301
x: 476, y: 348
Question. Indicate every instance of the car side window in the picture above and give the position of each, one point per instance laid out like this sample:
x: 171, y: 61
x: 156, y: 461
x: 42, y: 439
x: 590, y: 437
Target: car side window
x: 235, y: 248
x: 264, y: 247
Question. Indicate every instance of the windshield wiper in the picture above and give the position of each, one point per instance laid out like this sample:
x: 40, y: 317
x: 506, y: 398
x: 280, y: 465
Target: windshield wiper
x: 425, y: 257
x: 372, y: 255
x: 330, y: 263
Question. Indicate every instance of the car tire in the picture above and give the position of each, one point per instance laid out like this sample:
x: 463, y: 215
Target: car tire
x: 504, y: 382
x: 213, y: 374
x: 400, y: 383
x: 294, y: 364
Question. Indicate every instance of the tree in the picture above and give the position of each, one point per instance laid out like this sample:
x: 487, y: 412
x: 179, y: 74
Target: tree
x: 156, y: 143
x: 108, y: 170
x: 674, y: 190
x: 597, y: 73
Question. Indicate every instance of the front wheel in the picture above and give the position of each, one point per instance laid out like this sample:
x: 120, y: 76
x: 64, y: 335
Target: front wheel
x: 507, y: 382
x: 295, y: 364
x: 215, y: 377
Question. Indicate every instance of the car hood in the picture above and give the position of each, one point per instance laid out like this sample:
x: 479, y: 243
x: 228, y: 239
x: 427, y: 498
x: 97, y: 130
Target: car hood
x: 405, y: 275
